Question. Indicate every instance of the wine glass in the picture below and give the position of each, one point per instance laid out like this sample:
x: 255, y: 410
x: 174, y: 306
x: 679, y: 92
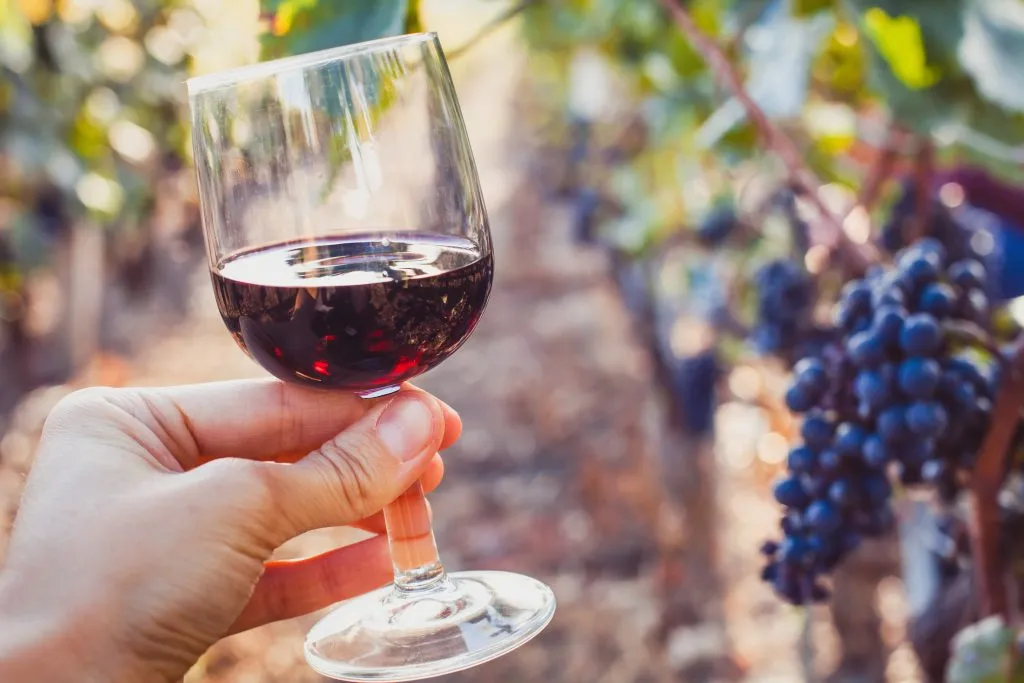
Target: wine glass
x: 350, y: 251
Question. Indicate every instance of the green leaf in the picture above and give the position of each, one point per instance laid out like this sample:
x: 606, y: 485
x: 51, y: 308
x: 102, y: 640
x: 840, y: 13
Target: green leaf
x: 300, y: 26
x: 992, y: 50
x: 981, y: 654
x: 899, y: 41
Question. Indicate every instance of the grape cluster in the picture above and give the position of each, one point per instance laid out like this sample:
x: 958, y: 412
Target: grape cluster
x: 718, y: 225
x: 785, y: 302
x: 892, y: 396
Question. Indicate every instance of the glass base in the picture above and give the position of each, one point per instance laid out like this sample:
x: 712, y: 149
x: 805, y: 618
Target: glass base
x: 395, y: 635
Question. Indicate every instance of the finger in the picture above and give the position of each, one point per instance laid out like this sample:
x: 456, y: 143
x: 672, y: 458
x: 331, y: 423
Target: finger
x: 356, y: 473
x: 262, y: 419
x: 294, y: 587
x: 430, y: 480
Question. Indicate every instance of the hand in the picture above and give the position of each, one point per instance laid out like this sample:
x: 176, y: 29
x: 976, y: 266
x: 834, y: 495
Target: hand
x: 150, y: 515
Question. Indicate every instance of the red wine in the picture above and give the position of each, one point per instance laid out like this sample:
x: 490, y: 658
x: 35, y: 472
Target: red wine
x: 354, y: 312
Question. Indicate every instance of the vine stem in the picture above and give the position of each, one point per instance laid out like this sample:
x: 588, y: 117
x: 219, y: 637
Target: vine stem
x: 488, y: 28
x: 859, y: 256
x: 881, y: 170
x: 986, y: 482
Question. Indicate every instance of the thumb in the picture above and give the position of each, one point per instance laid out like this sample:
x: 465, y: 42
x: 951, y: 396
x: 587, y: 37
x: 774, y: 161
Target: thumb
x: 359, y: 471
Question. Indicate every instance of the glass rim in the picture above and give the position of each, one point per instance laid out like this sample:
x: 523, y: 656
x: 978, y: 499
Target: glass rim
x: 199, y: 84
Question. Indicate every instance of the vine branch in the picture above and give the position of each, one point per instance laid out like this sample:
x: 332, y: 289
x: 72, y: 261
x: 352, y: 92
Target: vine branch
x: 986, y: 482
x: 491, y: 26
x: 799, y: 174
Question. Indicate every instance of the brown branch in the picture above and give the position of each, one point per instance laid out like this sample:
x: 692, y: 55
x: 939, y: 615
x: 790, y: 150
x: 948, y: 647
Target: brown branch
x: 986, y: 482
x: 924, y: 177
x: 881, y: 170
x: 488, y: 28
x: 774, y: 139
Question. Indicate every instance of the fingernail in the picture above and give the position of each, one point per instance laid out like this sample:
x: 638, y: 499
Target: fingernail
x: 405, y: 426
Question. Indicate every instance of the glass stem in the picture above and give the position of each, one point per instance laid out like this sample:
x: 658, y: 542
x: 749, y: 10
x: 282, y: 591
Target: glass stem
x: 411, y: 540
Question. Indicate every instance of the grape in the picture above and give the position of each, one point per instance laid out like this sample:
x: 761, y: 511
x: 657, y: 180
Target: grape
x: 939, y: 299
x: 816, y: 432
x: 785, y: 298
x: 876, y: 488
x: 888, y: 323
x: 921, y: 335
x: 718, y: 225
x: 871, y: 388
x: 927, y: 419
x: 801, y: 460
x: 850, y: 440
x: 830, y: 461
x: 842, y: 493
x: 892, y: 423
x: 799, y: 399
x: 866, y: 348
x: 812, y: 375
x: 792, y: 523
x: 968, y: 274
x: 917, y: 451
x: 823, y: 516
x: 876, y: 454
x: 790, y: 492
x: 769, y: 548
x: 793, y: 549
x: 856, y: 296
x: 922, y: 270
x: 933, y: 471
x: 919, y: 377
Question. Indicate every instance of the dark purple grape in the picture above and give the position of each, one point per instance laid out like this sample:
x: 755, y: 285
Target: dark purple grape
x: 822, y: 516
x: 830, y: 461
x: 856, y: 295
x: 888, y: 323
x: 916, y: 451
x: 769, y: 572
x: 968, y: 274
x: 792, y: 523
x: 816, y: 432
x: 892, y: 423
x: 790, y: 492
x: 793, y: 549
x: 871, y: 389
x: 769, y: 548
x: 927, y: 419
x: 919, y: 377
x: 866, y: 349
x: 849, y: 440
x: 876, y: 488
x: 934, y: 471
x: 811, y: 374
x: 939, y: 299
x: 921, y: 335
x: 876, y: 454
x: 801, y: 460
x: 921, y: 269
x: 842, y: 493
x: 799, y: 399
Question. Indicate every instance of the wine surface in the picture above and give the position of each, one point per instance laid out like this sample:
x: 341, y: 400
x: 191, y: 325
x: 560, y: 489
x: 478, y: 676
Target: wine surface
x: 355, y: 312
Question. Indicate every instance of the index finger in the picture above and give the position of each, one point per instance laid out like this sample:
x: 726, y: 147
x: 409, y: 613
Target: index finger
x: 261, y: 419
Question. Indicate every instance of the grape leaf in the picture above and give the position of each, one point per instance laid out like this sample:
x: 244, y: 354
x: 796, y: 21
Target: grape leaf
x: 981, y: 654
x: 899, y: 42
x: 299, y: 26
x: 992, y: 50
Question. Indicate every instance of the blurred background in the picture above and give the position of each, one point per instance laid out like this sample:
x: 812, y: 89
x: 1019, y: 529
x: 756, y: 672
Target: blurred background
x: 617, y: 445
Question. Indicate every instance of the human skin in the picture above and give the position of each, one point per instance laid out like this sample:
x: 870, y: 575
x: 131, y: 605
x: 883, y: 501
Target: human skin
x: 150, y: 516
